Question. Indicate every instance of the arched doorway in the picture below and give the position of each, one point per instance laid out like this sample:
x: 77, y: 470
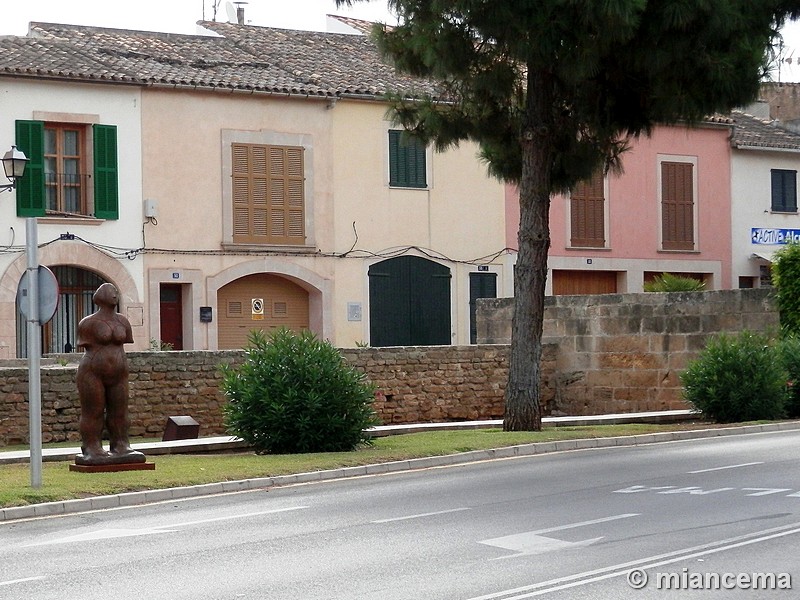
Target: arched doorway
x: 409, y: 302
x: 259, y: 301
x: 76, y: 288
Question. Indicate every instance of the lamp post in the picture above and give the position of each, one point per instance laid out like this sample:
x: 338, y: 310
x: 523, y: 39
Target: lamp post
x: 14, y: 163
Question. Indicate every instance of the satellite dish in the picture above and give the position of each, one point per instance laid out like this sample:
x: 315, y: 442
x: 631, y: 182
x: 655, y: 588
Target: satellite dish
x: 231, y: 12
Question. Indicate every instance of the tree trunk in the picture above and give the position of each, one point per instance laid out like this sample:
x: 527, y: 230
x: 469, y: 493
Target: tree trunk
x: 522, y: 405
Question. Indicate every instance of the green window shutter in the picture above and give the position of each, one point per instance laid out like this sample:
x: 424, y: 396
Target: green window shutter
x: 30, y: 187
x: 406, y: 161
x: 106, y: 186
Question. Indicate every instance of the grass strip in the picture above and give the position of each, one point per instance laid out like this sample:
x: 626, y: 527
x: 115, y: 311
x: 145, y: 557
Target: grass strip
x: 59, y: 483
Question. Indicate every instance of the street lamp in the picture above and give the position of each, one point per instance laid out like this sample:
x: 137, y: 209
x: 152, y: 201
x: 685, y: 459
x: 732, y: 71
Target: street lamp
x: 14, y: 162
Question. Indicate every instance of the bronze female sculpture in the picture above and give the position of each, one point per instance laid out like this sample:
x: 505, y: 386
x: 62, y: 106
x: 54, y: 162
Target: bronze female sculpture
x: 103, y: 383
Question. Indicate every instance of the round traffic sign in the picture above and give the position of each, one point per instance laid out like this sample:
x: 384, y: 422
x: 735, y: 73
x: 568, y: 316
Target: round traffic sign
x: 48, y: 294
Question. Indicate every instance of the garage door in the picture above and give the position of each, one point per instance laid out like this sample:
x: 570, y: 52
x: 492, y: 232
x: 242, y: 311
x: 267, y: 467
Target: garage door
x: 567, y: 283
x: 261, y: 301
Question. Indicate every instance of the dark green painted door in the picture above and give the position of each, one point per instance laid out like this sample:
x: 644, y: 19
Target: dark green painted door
x: 409, y: 302
x: 481, y: 285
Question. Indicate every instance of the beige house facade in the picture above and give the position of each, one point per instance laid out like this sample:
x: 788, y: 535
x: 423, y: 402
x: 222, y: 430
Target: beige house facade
x: 258, y: 187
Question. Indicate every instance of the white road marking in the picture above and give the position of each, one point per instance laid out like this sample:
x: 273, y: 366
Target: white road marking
x: 420, y: 515
x: 751, y: 464
x: 578, y: 579
x: 533, y: 542
x: 696, y: 491
x: 528, y: 544
x: 585, y: 523
x: 229, y: 517
x: 766, y: 491
x: 14, y: 581
x: 109, y: 534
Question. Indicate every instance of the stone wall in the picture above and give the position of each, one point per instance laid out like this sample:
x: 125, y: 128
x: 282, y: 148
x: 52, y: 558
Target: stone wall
x: 602, y: 354
x: 416, y: 384
x: 624, y: 352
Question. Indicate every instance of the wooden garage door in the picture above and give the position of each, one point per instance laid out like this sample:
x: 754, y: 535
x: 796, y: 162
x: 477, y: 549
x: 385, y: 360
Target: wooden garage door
x: 566, y: 283
x: 283, y: 303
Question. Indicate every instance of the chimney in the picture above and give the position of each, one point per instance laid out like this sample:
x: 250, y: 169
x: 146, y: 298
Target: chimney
x: 240, y: 12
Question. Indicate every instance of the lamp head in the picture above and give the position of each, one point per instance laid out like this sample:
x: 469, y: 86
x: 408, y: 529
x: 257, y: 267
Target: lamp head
x: 14, y: 162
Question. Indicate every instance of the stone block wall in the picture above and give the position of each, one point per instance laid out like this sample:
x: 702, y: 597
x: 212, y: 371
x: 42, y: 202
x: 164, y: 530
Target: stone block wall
x: 416, y: 384
x: 602, y: 354
x: 624, y: 352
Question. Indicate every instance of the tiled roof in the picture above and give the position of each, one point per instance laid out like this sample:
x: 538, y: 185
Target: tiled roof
x: 363, y: 27
x: 239, y: 57
x: 752, y: 132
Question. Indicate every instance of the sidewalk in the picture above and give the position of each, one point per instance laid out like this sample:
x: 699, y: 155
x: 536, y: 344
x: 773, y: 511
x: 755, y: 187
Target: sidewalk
x: 216, y: 444
x: 228, y: 443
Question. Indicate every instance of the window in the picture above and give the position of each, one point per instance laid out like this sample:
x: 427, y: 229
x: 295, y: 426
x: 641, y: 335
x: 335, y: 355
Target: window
x: 784, y: 190
x: 587, y: 213
x: 677, y: 205
x: 63, y: 177
x: 268, y: 194
x: 406, y: 161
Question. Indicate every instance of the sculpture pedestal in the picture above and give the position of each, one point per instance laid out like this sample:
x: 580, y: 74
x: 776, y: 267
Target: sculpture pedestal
x: 111, y: 468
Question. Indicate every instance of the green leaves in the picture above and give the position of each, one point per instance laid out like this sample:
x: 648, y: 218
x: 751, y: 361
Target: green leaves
x: 786, y: 278
x: 295, y: 393
x: 667, y: 282
x: 738, y: 378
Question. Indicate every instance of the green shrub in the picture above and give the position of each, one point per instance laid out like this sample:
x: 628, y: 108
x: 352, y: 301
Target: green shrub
x: 738, y: 378
x: 295, y: 393
x: 786, y: 279
x: 790, y: 353
x: 667, y: 282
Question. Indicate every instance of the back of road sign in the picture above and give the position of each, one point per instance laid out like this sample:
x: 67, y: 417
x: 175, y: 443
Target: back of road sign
x: 48, y: 294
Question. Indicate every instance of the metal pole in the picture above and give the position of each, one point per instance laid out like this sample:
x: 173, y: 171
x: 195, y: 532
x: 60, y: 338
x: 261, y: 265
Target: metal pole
x: 34, y: 353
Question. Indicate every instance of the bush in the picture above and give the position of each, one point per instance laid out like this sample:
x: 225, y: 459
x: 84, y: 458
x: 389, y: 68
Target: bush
x: 295, y: 393
x: 790, y: 353
x: 668, y: 282
x: 738, y: 378
x: 786, y: 279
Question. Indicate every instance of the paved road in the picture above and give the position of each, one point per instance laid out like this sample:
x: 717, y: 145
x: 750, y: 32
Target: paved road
x: 564, y: 525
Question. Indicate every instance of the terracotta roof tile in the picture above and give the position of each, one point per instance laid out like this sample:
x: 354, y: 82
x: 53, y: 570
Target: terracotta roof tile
x: 752, y: 132
x: 232, y: 56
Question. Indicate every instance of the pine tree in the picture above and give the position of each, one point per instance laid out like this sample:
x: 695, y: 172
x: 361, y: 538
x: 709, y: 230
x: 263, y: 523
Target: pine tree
x: 553, y: 90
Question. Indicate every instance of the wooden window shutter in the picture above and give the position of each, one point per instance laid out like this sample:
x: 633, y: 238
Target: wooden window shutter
x: 106, y: 179
x: 407, y: 161
x: 677, y: 206
x: 268, y: 194
x: 587, y: 213
x: 30, y: 188
x: 784, y: 190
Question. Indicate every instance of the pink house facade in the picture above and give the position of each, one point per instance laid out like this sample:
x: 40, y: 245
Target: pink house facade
x: 668, y: 211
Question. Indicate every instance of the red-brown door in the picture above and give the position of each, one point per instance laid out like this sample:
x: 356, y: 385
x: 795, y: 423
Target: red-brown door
x: 171, y: 316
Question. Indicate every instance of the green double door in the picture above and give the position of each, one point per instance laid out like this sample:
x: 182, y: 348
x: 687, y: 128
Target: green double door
x: 409, y: 302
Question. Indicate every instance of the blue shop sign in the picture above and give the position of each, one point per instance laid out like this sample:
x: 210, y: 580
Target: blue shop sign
x: 759, y: 235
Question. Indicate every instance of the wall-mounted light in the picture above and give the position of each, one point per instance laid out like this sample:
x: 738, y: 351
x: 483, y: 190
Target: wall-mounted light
x: 14, y: 162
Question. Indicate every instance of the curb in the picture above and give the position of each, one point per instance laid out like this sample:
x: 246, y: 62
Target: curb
x: 149, y: 496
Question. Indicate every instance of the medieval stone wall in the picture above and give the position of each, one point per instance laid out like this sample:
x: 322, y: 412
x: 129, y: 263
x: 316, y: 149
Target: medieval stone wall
x: 624, y: 352
x: 416, y: 384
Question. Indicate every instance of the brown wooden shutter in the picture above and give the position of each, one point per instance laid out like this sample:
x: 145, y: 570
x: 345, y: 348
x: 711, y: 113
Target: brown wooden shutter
x: 268, y: 194
x: 587, y: 213
x: 677, y: 206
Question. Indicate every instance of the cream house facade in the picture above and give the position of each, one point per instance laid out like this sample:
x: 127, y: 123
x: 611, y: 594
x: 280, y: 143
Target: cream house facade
x: 260, y: 185
x: 82, y: 250
x: 764, y: 165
